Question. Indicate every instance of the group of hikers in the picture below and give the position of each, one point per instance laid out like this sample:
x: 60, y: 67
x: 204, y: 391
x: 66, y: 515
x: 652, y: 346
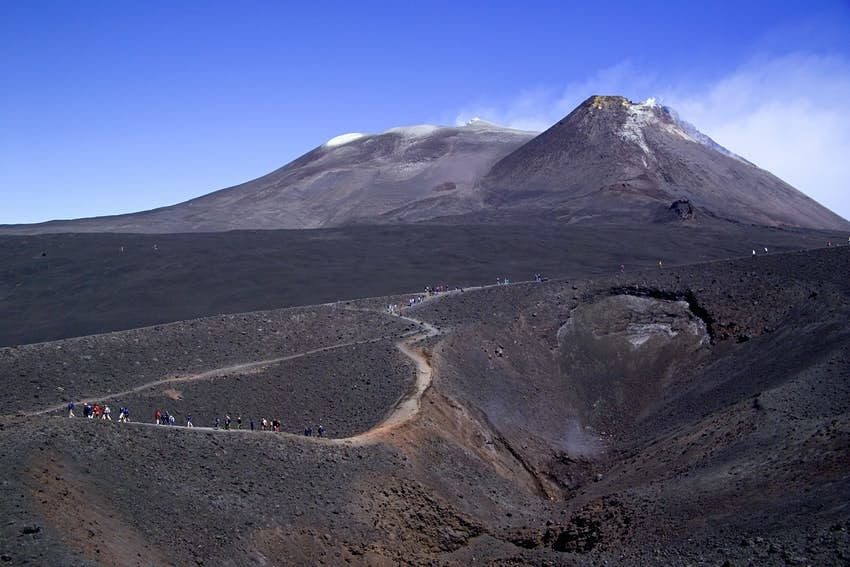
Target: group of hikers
x: 104, y: 412
x: 398, y: 308
x: 164, y: 418
x: 265, y: 425
x: 98, y: 411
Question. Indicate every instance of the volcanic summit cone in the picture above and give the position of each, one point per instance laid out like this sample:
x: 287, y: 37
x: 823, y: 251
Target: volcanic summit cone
x: 612, y: 157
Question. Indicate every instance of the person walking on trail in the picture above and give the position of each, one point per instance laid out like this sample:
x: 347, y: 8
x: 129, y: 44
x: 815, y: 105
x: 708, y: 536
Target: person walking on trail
x: 217, y: 423
x: 171, y: 419
x: 227, y: 421
x: 765, y: 249
x: 70, y: 409
x: 96, y: 411
x: 320, y: 430
x: 157, y: 417
x: 238, y: 422
x: 252, y: 424
x: 189, y: 420
x: 660, y: 265
x: 107, y: 413
x: 754, y: 251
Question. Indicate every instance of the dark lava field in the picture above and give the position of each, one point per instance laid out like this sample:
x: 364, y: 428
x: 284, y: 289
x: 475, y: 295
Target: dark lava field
x: 695, y: 413
x: 56, y: 286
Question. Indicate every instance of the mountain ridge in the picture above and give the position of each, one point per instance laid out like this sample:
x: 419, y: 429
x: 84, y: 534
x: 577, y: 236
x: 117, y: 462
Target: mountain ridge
x: 608, y: 158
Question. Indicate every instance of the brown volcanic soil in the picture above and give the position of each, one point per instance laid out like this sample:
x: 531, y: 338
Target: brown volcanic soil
x: 689, y: 415
x: 68, y: 285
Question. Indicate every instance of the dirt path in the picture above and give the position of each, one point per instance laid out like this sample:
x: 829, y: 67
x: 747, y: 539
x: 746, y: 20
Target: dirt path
x: 221, y: 371
x: 402, y: 412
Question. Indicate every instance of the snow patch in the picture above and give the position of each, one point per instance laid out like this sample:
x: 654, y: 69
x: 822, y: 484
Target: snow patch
x: 643, y: 114
x: 414, y: 131
x: 343, y: 139
x: 639, y: 116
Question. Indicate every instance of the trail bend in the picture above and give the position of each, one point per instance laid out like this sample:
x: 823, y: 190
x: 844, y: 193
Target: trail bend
x: 403, y: 411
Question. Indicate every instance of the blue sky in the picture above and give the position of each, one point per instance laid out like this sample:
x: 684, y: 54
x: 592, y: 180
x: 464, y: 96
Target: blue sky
x: 110, y: 107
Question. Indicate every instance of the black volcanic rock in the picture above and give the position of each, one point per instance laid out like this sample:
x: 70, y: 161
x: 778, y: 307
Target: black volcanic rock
x: 613, y: 156
x: 680, y: 210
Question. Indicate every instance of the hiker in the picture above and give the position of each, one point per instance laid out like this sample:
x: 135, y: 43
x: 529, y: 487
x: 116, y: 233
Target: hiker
x: 227, y: 421
x: 107, y: 413
x: 217, y: 423
x: 320, y: 430
x: 765, y: 249
x: 754, y: 251
x: 96, y: 411
x: 87, y: 410
x: 157, y: 417
x: 171, y: 419
x: 622, y: 268
x: 238, y: 422
x: 252, y: 424
x: 70, y: 409
x: 189, y: 420
x: 660, y: 265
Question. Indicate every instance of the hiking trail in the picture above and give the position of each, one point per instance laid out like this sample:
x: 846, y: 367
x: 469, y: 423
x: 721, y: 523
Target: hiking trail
x: 403, y: 411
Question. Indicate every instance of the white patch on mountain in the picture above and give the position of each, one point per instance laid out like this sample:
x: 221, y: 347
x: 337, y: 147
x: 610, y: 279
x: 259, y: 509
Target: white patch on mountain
x: 639, y: 116
x: 343, y: 139
x: 419, y: 131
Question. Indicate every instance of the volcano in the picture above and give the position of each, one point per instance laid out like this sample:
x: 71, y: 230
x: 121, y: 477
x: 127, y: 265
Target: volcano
x: 351, y: 179
x: 608, y: 160
x: 611, y: 157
